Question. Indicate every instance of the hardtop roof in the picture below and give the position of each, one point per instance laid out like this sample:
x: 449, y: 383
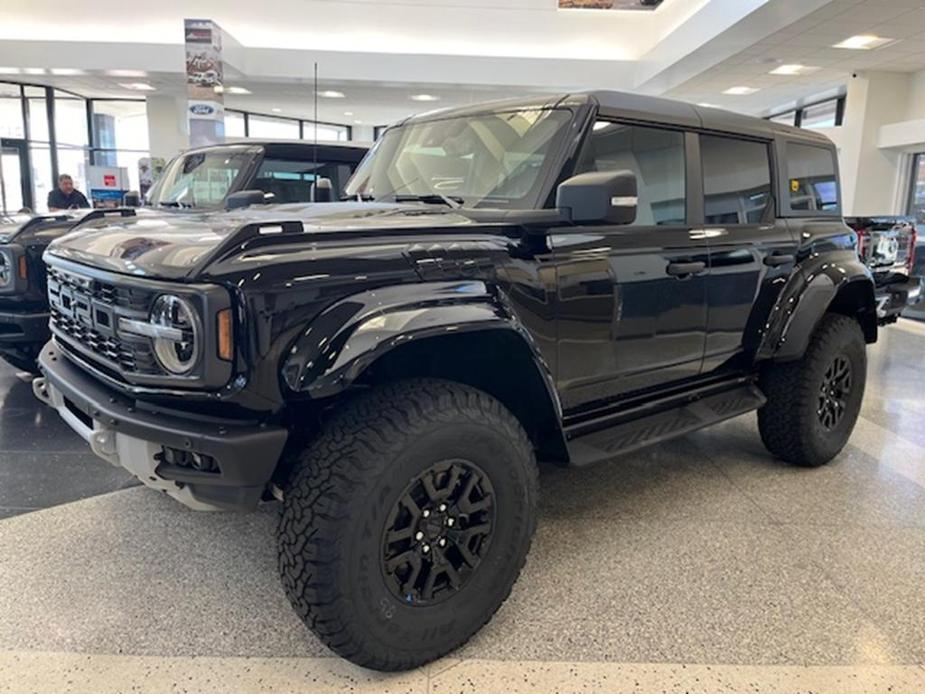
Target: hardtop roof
x: 642, y: 107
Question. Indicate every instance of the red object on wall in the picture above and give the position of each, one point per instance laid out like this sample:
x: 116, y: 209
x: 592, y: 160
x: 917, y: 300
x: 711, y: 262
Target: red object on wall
x: 109, y: 181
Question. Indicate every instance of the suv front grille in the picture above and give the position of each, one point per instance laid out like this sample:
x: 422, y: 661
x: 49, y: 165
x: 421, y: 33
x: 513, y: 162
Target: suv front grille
x: 85, y: 312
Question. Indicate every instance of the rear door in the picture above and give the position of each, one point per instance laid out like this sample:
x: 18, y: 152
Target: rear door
x: 752, y: 250
x: 631, y: 300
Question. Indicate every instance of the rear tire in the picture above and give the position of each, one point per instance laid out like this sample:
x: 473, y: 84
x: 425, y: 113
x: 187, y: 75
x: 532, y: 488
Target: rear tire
x: 353, y: 532
x: 813, y: 404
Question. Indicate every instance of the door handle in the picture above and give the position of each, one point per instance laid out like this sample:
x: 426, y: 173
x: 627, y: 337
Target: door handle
x: 777, y: 259
x: 682, y: 269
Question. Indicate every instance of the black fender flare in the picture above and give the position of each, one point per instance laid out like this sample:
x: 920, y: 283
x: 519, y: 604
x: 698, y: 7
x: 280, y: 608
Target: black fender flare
x: 812, y: 291
x: 347, y: 337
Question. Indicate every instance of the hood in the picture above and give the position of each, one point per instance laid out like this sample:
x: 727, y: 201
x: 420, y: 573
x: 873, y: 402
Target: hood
x: 180, y: 246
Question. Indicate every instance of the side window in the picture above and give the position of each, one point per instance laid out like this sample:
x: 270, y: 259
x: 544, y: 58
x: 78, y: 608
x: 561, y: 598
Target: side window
x: 736, y: 180
x: 656, y: 156
x: 291, y: 181
x: 811, y: 174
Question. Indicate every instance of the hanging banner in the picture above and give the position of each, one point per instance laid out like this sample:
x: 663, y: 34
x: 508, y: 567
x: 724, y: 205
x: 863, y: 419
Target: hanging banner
x: 609, y: 4
x: 204, y: 82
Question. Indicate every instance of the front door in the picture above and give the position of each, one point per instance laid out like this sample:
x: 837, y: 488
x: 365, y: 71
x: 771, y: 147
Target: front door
x: 15, y: 178
x: 631, y: 300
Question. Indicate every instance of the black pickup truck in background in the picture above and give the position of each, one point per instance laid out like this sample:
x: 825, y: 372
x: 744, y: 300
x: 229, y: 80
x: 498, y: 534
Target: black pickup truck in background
x: 886, y: 245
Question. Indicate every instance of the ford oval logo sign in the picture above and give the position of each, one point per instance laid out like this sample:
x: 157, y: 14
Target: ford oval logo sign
x: 202, y: 110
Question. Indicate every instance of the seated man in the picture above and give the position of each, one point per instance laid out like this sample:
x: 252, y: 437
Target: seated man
x: 66, y: 196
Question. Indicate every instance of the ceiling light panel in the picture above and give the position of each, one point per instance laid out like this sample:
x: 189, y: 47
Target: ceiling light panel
x: 137, y: 86
x: 740, y: 91
x: 794, y: 70
x: 864, y: 42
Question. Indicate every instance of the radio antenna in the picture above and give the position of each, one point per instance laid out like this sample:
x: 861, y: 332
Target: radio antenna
x: 315, y: 148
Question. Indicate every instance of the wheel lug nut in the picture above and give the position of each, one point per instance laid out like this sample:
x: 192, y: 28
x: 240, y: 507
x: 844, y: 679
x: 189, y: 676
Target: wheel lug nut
x: 442, y: 542
x: 442, y: 508
x: 425, y: 549
x: 419, y: 536
x: 426, y: 512
x: 450, y: 521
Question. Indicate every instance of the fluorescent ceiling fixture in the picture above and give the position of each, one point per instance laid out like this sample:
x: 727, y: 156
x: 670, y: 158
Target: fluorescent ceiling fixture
x: 348, y: 113
x: 863, y: 42
x: 276, y: 110
x: 67, y: 71
x: 237, y: 90
x: 740, y: 91
x: 127, y: 73
x: 137, y: 86
x: 9, y: 70
x: 425, y: 97
x: 704, y: 104
x: 358, y: 122
x: 794, y: 70
x: 34, y: 71
x: 330, y: 94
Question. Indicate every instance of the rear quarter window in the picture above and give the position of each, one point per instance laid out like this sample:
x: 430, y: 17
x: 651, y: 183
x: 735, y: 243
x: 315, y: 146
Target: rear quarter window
x: 811, y: 179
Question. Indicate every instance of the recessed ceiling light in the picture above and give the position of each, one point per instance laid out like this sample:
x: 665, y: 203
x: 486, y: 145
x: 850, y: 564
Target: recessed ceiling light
x: 348, y: 113
x: 863, y: 42
x: 127, y: 73
x: 704, y: 104
x: 137, y: 86
x: 67, y: 71
x: 740, y: 91
x: 358, y: 122
x: 424, y: 97
x: 276, y: 110
x: 9, y: 71
x: 34, y: 71
x: 794, y: 70
x: 237, y: 90
x: 331, y: 94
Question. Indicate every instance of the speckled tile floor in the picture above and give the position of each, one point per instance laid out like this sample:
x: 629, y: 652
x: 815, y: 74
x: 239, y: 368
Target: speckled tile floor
x: 700, y: 565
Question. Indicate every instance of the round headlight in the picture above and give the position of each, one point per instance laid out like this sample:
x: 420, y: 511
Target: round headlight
x: 6, y: 268
x: 177, y: 346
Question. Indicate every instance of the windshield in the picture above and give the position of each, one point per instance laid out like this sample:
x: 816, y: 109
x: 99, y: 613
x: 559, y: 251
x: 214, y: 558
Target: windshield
x: 494, y: 159
x: 200, y: 179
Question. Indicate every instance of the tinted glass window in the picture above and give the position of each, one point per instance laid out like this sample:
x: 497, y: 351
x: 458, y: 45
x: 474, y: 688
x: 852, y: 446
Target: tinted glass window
x: 291, y: 181
x: 656, y: 157
x: 736, y: 180
x: 200, y: 179
x: 811, y: 171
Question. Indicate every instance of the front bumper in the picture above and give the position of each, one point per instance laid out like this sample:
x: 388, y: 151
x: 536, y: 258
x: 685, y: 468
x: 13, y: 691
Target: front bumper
x: 132, y: 435
x: 21, y: 328
x: 893, y: 298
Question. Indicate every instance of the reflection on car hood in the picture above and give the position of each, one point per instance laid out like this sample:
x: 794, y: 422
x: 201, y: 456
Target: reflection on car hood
x: 180, y: 246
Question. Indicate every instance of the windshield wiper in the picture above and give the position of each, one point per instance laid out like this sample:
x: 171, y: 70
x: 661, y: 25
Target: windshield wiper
x: 432, y: 199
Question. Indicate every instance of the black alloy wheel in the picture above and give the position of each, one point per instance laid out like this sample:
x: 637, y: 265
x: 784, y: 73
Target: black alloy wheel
x: 438, y: 532
x: 834, y: 392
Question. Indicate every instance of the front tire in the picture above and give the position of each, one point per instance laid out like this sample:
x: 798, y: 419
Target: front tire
x: 814, y: 403
x: 407, y: 521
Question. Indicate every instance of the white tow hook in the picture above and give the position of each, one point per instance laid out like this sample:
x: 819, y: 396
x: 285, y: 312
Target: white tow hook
x: 40, y: 388
x: 103, y: 443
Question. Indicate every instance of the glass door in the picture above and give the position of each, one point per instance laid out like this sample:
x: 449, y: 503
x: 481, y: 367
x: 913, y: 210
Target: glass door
x: 15, y: 178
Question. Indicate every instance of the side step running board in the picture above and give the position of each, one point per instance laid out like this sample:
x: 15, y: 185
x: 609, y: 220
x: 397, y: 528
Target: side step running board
x: 630, y: 435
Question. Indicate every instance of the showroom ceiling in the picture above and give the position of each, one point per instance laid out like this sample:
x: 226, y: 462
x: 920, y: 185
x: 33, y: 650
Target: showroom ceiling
x: 381, y: 53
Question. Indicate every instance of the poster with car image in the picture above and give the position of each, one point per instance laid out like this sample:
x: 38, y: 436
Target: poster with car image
x: 609, y: 4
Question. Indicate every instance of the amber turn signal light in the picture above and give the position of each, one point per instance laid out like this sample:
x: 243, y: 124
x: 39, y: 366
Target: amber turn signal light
x: 23, y: 268
x: 225, y: 337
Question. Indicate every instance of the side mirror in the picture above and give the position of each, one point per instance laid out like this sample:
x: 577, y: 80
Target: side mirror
x: 244, y: 198
x: 131, y: 199
x: 599, y: 197
x: 322, y: 190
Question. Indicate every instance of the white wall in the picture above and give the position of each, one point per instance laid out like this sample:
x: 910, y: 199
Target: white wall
x: 168, y: 129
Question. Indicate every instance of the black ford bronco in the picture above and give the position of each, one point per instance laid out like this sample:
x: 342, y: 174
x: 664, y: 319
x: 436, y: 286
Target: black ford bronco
x: 558, y: 280
x: 199, y: 180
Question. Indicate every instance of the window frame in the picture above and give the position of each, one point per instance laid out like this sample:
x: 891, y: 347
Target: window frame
x: 911, y: 182
x: 690, y: 150
x: 784, y: 179
x: 770, y: 149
